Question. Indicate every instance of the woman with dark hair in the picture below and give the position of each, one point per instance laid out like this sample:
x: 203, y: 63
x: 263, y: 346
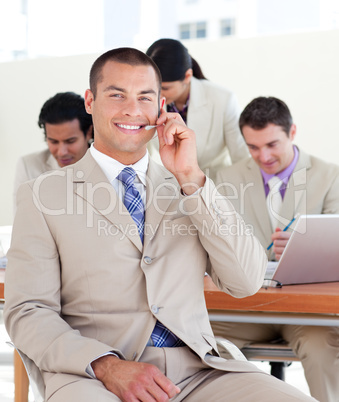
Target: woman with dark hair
x: 208, y: 109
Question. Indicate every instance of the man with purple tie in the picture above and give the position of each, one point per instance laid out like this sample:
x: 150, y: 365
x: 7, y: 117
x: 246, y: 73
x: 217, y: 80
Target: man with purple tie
x: 305, y: 185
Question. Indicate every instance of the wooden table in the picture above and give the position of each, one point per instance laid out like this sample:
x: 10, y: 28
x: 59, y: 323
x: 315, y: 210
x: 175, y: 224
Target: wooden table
x: 316, y: 304
x: 2, y: 287
x: 312, y: 304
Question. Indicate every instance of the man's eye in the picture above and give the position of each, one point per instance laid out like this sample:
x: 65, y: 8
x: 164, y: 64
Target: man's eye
x: 145, y: 98
x: 115, y: 96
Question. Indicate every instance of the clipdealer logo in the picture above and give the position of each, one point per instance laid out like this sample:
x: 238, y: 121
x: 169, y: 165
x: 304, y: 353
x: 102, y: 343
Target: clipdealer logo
x: 81, y: 197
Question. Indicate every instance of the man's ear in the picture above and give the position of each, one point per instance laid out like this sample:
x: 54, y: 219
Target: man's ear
x: 88, y: 101
x: 89, y: 134
x: 293, y: 132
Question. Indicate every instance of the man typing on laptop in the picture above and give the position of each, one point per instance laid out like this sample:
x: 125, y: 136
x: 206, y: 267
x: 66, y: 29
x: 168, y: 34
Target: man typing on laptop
x: 269, y: 189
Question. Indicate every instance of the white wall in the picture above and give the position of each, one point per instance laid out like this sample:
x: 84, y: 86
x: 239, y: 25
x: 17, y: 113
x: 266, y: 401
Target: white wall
x: 25, y: 86
x: 301, y: 69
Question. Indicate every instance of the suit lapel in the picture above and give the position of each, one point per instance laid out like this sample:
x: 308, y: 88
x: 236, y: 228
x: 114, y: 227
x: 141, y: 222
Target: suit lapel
x: 258, y: 198
x: 91, y: 184
x: 161, y: 189
x: 295, y: 196
x: 51, y: 162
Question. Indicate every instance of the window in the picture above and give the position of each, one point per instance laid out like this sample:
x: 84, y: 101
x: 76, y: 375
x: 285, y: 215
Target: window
x: 227, y: 27
x: 201, y: 30
x: 193, y: 30
x: 185, y: 31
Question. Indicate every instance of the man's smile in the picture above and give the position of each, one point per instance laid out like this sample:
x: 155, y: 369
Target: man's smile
x: 129, y: 127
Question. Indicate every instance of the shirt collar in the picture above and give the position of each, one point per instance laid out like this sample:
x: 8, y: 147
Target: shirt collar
x: 111, y: 167
x: 285, y: 174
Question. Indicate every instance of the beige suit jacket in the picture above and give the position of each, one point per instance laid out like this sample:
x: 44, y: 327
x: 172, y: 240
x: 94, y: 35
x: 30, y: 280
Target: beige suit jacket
x: 31, y: 166
x: 213, y: 115
x: 313, y: 188
x: 79, y: 283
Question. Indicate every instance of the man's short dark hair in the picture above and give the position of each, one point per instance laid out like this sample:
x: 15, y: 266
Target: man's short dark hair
x: 124, y: 55
x: 64, y: 107
x: 262, y: 111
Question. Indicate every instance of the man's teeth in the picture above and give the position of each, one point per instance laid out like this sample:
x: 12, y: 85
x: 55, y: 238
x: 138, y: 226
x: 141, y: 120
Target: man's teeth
x: 128, y: 127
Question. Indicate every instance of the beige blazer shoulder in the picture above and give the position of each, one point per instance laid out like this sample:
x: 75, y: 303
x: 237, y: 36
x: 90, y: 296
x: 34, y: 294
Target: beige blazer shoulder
x: 31, y: 166
x: 313, y: 188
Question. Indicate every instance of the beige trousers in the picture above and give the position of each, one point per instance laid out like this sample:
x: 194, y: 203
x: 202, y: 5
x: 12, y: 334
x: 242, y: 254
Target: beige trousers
x: 316, y: 347
x: 198, y: 382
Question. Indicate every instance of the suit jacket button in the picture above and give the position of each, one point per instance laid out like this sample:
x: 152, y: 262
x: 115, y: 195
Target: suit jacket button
x: 154, y: 309
x: 148, y: 260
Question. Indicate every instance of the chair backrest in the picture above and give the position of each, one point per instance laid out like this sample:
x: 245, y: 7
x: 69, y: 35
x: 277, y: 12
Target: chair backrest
x: 34, y: 375
x: 228, y: 349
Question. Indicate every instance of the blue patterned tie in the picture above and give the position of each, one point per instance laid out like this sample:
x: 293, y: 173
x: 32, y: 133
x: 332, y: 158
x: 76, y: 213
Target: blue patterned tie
x: 132, y: 200
x: 161, y: 336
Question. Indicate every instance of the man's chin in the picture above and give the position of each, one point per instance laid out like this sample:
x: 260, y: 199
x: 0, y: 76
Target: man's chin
x: 63, y: 163
x: 270, y: 168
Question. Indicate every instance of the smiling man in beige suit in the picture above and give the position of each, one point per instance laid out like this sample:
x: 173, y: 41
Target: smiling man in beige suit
x: 89, y: 284
x: 309, y: 186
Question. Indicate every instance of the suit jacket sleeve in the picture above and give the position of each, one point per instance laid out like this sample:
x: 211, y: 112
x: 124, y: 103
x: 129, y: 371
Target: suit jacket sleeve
x: 33, y: 314
x: 20, y: 177
x: 331, y: 200
x: 238, y: 261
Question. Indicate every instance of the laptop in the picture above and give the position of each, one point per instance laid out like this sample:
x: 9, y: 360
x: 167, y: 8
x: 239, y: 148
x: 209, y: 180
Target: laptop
x: 311, y: 254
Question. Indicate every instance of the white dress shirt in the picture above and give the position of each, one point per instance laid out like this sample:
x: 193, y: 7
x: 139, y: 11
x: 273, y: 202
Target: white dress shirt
x: 112, y: 168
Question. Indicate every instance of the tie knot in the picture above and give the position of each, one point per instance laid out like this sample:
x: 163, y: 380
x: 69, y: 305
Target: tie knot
x: 127, y: 176
x: 274, y: 183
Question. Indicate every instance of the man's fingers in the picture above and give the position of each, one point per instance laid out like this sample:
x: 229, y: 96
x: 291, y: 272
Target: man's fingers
x: 279, y: 244
x: 142, y: 394
x: 167, y: 134
x: 165, y: 116
x: 161, y: 138
x: 159, y: 389
x: 134, y: 381
x: 166, y: 385
x: 280, y: 239
x: 280, y: 235
x: 278, y: 248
